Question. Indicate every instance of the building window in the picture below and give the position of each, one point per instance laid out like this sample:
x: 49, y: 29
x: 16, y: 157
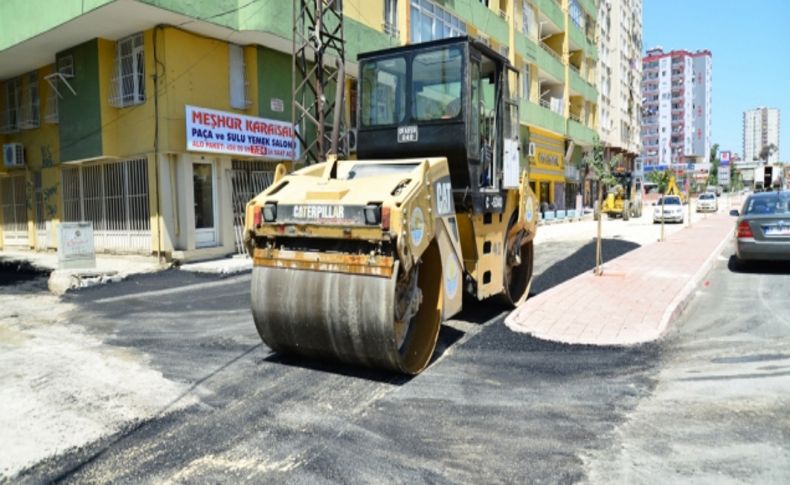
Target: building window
x: 528, y: 24
x: 128, y: 86
x: 391, y: 17
x: 431, y: 22
x: 29, y: 113
x: 10, y: 121
x: 525, y: 83
x: 576, y: 13
x: 238, y: 78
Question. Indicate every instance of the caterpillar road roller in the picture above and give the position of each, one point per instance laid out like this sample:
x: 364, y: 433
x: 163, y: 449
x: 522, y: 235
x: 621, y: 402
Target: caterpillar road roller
x: 360, y: 260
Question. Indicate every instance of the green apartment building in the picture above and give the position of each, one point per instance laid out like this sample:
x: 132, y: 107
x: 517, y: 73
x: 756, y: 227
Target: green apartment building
x: 95, y: 97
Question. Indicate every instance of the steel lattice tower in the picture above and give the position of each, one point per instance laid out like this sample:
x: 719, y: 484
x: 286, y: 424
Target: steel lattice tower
x: 318, y: 69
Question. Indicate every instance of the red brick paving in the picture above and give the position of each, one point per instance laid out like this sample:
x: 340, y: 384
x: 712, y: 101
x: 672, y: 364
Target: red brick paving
x: 639, y: 295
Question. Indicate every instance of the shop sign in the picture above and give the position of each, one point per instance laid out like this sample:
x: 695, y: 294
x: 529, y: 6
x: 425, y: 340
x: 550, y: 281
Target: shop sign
x: 75, y: 245
x: 213, y: 131
x: 724, y: 175
x: 277, y: 105
x: 549, y: 158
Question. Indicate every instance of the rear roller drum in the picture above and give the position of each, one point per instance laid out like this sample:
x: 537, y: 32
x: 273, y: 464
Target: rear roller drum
x: 387, y: 323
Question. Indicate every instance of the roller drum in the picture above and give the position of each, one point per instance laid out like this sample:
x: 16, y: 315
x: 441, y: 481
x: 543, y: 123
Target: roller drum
x: 337, y: 316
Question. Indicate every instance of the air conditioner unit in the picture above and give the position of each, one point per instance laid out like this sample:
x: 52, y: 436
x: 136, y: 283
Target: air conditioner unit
x: 351, y: 140
x: 13, y: 155
x: 531, y: 151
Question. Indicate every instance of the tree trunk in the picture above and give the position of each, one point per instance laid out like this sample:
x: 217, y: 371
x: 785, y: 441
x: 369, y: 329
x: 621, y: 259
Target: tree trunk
x: 598, y: 256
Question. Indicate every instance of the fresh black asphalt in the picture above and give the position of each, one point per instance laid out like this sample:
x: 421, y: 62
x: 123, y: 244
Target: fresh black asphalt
x: 493, y: 407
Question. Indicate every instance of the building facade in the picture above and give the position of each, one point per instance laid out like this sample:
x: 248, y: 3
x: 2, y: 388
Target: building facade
x: 760, y: 129
x: 106, y: 107
x: 676, y: 111
x: 620, y: 77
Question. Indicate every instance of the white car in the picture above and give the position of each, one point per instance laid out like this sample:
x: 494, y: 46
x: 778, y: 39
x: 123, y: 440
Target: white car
x: 672, y: 210
x: 707, y: 202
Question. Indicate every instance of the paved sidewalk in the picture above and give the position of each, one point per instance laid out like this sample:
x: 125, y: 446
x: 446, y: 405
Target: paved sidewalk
x: 638, y: 296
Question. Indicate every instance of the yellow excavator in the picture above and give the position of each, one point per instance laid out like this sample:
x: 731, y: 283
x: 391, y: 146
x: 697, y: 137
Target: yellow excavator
x: 624, y: 199
x: 673, y: 189
x: 360, y: 260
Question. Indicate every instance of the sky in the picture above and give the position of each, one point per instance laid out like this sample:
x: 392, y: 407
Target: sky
x: 750, y: 43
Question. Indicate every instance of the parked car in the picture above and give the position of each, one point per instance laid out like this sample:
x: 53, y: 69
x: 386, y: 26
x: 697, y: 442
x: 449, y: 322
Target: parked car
x: 762, y: 230
x: 672, y: 210
x: 707, y: 202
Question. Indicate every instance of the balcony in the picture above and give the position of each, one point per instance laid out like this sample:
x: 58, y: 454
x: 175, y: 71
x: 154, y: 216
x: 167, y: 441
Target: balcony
x: 582, y: 87
x: 552, y: 11
x: 541, y: 117
x: 482, y: 17
x: 589, y: 7
x: 526, y: 47
x: 550, y: 61
x: 581, y: 134
x: 577, y: 37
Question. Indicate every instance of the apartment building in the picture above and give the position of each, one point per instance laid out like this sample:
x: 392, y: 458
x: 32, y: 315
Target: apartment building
x: 620, y: 77
x: 676, y: 110
x: 760, y: 129
x: 106, y: 107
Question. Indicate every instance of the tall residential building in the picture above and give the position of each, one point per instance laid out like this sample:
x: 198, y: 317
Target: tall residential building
x: 676, y: 110
x: 760, y: 129
x: 620, y: 75
x: 104, y: 107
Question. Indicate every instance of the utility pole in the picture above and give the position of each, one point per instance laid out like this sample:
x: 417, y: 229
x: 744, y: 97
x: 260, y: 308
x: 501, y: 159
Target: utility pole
x: 317, y: 44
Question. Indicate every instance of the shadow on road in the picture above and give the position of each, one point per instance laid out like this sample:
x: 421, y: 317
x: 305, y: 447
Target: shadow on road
x: 758, y: 267
x: 13, y: 273
x: 579, y: 262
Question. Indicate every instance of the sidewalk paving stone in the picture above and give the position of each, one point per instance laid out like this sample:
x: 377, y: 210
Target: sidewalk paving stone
x: 636, y: 299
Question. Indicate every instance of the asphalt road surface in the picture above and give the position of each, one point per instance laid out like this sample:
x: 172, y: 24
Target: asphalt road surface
x: 706, y: 403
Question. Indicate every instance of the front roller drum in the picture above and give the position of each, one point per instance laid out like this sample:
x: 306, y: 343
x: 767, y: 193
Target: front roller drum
x: 350, y: 318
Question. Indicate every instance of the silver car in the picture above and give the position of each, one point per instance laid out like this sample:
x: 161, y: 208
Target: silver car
x: 707, y: 202
x: 762, y: 231
x: 672, y: 210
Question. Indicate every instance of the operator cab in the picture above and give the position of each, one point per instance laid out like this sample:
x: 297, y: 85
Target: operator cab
x: 450, y: 98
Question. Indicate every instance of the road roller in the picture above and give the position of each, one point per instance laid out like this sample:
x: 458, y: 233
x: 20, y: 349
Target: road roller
x: 360, y: 260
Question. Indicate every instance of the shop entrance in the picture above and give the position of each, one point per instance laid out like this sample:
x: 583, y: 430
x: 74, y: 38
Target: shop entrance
x: 204, y: 191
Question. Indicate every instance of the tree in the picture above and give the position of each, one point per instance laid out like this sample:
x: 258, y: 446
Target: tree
x: 596, y: 162
x: 715, y: 162
x: 660, y: 178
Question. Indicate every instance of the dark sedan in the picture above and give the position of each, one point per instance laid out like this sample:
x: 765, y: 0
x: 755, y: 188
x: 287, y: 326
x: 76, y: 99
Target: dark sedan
x: 763, y: 228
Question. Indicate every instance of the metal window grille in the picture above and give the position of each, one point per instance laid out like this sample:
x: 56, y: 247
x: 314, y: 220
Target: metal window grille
x: 51, y: 106
x: 128, y: 84
x: 9, y: 123
x: 390, y: 23
x: 42, y: 234
x: 114, y: 197
x: 238, y: 77
x: 248, y: 178
x: 29, y: 113
x: 12, y: 197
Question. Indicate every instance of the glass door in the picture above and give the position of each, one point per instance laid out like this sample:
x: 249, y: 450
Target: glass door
x: 203, y: 185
